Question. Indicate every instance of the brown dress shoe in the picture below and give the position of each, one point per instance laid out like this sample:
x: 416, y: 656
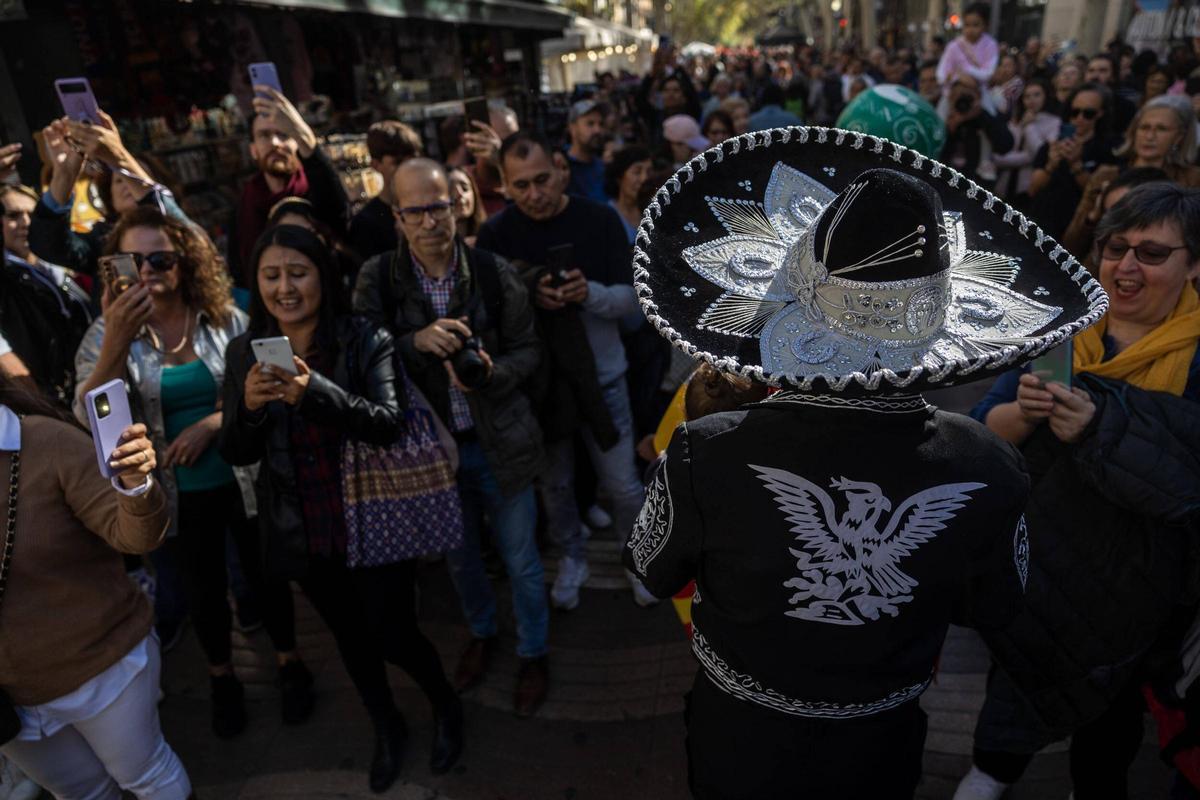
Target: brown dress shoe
x: 532, y: 682
x: 473, y: 663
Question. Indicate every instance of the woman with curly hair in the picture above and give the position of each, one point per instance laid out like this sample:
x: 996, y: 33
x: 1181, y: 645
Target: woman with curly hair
x: 166, y: 337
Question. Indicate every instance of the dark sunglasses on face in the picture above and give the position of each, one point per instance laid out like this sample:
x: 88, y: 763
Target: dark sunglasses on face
x: 1149, y: 253
x: 413, y: 215
x: 1086, y: 113
x: 160, y: 261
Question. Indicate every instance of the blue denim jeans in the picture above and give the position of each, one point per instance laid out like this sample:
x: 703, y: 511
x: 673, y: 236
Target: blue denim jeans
x: 616, y: 471
x: 513, y: 522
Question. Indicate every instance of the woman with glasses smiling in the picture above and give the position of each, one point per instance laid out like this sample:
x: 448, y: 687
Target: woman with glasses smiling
x: 1061, y: 169
x: 166, y: 337
x: 1110, y: 593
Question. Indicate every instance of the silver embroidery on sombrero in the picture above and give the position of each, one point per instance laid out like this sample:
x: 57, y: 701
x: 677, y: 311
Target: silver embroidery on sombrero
x: 775, y: 286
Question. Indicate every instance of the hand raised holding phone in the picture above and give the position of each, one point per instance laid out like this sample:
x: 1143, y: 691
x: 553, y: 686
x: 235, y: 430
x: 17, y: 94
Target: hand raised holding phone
x: 133, y: 460
x: 126, y: 315
x: 266, y: 383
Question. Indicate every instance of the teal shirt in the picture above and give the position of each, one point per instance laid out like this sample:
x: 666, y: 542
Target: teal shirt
x: 189, y: 394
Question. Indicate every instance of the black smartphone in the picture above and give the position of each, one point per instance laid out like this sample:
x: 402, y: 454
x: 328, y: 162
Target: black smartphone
x: 558, y: 263
x: 476, y: 110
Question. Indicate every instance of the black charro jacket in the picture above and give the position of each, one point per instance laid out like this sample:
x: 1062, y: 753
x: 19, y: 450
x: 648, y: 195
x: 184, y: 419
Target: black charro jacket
x: 360, y: 398
x: 833, y: 540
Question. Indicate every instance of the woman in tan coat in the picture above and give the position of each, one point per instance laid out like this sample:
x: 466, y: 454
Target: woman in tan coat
x: 79, y: 665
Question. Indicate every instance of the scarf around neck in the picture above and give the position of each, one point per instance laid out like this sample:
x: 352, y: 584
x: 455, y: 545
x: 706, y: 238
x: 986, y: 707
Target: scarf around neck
x: 1159, y: 361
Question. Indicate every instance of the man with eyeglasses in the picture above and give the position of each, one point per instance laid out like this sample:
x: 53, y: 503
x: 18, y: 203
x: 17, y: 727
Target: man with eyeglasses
x: 464, y: 328
x: 577, y: 263
x: 290, y: 164
x: 43, y: 312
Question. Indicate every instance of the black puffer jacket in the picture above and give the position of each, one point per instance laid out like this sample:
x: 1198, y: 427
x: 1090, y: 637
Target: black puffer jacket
x: 360, y: 397
x: 1113, y: 523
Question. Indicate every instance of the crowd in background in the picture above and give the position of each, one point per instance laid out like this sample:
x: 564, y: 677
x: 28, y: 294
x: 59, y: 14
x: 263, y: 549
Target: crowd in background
x: 496, y: 282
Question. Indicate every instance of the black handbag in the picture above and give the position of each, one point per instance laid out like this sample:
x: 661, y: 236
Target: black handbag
x: 10, y: 723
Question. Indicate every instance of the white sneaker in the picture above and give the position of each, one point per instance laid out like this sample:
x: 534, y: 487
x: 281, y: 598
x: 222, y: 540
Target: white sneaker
x: 978, y: 785
x: 572, y: 574
x: 641, y: 595
x: 13, y: 783
x: 598, y: 518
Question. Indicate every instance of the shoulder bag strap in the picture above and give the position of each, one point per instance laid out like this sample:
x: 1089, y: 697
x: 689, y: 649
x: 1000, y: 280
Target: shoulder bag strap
x: 10, y: 534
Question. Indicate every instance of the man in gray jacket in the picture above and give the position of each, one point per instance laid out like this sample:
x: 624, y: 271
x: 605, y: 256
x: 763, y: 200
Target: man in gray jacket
x: 464, y: 329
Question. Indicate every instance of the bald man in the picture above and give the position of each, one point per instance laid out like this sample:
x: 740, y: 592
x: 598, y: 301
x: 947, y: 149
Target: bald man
x: 464, y: 327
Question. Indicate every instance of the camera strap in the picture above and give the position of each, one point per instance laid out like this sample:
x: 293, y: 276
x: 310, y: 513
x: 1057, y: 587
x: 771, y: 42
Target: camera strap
x: 11, y: 528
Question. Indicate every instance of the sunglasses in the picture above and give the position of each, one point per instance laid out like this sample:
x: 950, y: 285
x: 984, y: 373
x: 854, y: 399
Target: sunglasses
x: 1149, y: 253
x: 1086, y: 113
x: 159, y: 261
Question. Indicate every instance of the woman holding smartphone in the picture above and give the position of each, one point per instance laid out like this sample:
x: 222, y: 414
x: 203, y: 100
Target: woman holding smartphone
x: 344, y: 385
x: 79, y: 688
x: 166, y: 336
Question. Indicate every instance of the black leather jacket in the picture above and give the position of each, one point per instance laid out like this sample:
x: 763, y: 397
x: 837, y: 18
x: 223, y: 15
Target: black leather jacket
x: 360, y: 398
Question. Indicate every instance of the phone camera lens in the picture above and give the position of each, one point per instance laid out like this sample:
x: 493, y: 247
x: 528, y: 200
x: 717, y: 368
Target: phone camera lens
x: 103, y: 409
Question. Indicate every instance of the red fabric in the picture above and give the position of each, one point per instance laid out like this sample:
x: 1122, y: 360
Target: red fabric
x: 257, y: 199
x: 1172, y: 724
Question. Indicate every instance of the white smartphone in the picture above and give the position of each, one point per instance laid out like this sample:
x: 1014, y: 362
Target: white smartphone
x: 276, y: 351
x: 109, y: 416
x: 263, y: 73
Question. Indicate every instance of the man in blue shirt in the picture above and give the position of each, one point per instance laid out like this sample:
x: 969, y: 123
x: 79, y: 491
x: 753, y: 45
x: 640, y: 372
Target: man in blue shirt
x: 586, y: 128
x: 771, y: 113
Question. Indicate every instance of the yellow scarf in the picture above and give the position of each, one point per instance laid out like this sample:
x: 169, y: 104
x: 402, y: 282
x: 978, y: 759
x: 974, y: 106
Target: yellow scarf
x: 1159, y: 361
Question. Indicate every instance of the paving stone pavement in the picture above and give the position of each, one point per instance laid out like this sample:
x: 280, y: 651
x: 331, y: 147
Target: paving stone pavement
x: 611, y: 727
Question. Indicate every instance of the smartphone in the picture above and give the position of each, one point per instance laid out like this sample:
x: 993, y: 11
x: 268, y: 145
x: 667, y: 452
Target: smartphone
x: 119, y: 272
x: 1055, y: 365
x: 476, y: 110
x: 1066, y: 131
x: 264, y: 73
x: 558, y: 263
x: 108, y: 414
x: 276, y: 351
x: 78, y: 101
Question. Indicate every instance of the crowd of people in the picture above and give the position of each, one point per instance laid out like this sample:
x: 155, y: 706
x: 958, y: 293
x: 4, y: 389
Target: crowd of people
x: 493, y: 289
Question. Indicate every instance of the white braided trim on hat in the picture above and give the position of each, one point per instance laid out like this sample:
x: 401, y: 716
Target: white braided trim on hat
x: 1003, y: 356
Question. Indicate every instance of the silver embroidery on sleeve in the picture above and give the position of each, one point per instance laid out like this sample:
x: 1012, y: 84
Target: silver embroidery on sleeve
x: 848, y: 566
x: 1021, y: 551
x: 652, y: 528
x: 745, y: 687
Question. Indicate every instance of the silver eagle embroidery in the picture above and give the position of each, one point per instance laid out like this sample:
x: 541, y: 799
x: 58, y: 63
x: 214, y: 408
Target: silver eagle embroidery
x: 850, y: 565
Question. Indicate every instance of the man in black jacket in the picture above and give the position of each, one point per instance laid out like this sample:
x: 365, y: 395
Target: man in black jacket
x: 464, y: 329
x: 582, y: 284
x: 973, y: 133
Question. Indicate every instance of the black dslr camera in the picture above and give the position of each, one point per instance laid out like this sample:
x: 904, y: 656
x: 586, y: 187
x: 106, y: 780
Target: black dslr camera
x: 468, y: 365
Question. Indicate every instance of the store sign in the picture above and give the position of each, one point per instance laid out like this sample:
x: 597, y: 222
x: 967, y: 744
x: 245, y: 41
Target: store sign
x: 1161, y: 24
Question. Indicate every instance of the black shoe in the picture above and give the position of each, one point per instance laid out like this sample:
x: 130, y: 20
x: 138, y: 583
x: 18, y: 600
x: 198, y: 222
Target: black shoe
x: 389, y: 752
x: 228, y: 706
x: 296, y: 694
x: 447, y: 735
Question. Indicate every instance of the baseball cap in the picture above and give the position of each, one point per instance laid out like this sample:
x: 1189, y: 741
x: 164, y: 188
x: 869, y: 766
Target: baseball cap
x: 683, y: 129
x: 584, y: 107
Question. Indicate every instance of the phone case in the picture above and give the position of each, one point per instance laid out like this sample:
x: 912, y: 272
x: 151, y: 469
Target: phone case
x: 264, y: 73
x: 119, y: 272
x: 107, y: 429
x: 1056, y: 365
x: 78, y: 101
x: 276, y: 351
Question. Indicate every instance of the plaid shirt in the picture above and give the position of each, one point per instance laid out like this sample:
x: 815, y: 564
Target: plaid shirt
x: 439, y: 290
x: 317, y: 461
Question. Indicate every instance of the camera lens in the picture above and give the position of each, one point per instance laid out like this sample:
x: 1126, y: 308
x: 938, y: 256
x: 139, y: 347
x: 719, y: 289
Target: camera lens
x: 963, y: 104
x: 103, y: 409
x: 468, y: 366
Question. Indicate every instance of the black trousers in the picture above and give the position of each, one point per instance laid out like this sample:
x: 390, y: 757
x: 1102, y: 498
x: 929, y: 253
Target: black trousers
x: 203, y: 519
x: 372, y: 615
x: 741, y: 751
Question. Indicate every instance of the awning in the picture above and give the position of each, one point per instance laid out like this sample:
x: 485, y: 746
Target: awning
x: 497, y: 13
x: 584, y: 33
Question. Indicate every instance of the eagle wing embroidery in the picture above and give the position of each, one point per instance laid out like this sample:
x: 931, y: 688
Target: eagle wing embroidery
x: 810, y: 510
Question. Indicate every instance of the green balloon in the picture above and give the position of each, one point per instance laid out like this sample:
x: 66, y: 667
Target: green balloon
x: 898, y: 114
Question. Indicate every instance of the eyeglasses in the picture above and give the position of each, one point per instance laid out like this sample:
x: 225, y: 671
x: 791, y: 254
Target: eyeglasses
x: 415, y: 215
x: 1149, y: 253
x: 159, y: 261
x: 1086, y: 113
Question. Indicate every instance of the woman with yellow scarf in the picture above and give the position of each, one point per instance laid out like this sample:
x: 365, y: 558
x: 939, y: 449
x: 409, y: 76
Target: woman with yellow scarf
x: 1108, y: 518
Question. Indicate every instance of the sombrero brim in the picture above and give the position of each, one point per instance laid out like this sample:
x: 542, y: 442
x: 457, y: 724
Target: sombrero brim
x: 709, y: 251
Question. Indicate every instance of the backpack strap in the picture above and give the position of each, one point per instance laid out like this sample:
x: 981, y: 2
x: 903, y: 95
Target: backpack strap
x: 488, y: 272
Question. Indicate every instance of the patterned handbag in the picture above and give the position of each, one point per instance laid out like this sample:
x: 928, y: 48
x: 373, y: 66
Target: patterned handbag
x: 401, y: 500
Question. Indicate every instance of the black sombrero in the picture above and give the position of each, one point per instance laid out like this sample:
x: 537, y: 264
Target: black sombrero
x: 825, y: 259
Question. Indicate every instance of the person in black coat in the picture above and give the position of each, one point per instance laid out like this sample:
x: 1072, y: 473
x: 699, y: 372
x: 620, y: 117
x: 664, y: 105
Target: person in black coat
x: 345, y: 386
